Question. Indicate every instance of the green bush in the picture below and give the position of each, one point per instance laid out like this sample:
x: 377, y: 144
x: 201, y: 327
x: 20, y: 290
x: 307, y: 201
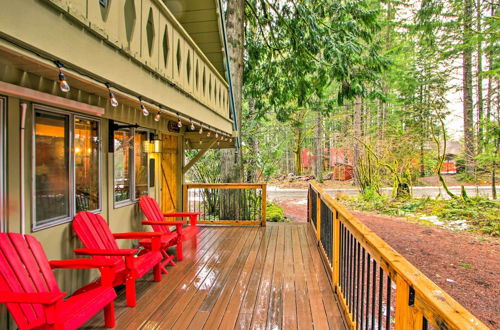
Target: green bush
x: 274, y: 213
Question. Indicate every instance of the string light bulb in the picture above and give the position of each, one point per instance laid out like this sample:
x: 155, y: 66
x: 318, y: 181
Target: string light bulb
x: 157, y: 116
x: 230, y: 140
x: 191, y: 125
x: 208, y: 134
x: 201, y: 130
x: 112, y: 98
x: 216, y: 135
x: 179, y: 122
x: 145, y: 111
x: 63, y: 83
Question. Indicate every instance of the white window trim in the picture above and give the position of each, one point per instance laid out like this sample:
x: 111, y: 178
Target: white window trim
x: 47, y: 223
x: 132, y: 199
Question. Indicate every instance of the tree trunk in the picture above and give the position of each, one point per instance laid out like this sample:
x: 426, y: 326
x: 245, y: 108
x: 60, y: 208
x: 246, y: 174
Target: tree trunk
x: 467, y: 89
x: 253, y: 142
x: 318, y: 148
x: 479, y: 79
x: 231, y: 165
x: 357, y: 134
x: 297, y: 149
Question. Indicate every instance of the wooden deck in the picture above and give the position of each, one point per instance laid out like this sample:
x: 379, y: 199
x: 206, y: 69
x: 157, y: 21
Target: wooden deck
x: 238, y: 278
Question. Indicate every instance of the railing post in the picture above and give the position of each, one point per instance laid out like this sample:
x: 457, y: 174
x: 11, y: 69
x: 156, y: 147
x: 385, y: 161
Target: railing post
x: 185, y: 206
x: 264, y: 205
x: 336, y: 248
x: 407, y: 316
x: 318, y: 216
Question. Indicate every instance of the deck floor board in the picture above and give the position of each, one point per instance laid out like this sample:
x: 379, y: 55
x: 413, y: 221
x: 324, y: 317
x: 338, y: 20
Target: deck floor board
x: 237, y: 278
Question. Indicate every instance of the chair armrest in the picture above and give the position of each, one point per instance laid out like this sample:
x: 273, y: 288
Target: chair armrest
x: 137, y: 235
x: 82, y: 263
x: 181, y: 214
x: 164, y: 223
x: 99, y: 252
x: 44, y: 298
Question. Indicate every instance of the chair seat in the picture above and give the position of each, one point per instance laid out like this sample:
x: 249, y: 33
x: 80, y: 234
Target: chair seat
x: 79, y: 308
x: 167, y: 240
x: 146, y: 261
x: 189, y: 232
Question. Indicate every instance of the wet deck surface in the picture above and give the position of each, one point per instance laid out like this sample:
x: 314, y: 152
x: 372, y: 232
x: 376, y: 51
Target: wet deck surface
x: 237, y: 278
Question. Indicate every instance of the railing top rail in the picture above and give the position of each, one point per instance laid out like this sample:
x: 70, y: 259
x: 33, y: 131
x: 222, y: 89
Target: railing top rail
x: 226, y: 185
x: 436, y: 304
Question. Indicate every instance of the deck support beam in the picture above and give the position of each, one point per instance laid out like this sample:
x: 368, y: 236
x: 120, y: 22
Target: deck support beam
x: 198, y: 156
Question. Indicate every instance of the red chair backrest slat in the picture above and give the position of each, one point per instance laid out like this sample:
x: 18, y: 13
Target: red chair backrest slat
x: 94, y: 233
x: 24, y: 268
x: 152, y: 211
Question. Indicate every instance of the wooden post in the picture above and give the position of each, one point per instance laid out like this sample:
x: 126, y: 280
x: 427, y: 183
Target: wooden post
x: 407, y: 317
x: 185, y: 205
x: 318, y: 216
x: 336, y: 248
x: 264, y: 204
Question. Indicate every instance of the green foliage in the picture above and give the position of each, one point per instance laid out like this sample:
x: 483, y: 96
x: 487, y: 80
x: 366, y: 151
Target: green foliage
x: 274, y: 213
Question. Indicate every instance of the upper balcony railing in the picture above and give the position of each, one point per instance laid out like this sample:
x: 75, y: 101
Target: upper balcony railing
x: 147, y: 32
x: 376, y: 286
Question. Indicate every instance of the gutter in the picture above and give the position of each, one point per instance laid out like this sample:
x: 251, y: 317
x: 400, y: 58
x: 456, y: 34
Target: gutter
x: 228, y: 71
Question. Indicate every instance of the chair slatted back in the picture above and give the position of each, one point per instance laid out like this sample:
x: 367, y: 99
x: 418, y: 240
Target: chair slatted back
x: 94, y: 233
x: 152, y: 211
x: 24, y: 268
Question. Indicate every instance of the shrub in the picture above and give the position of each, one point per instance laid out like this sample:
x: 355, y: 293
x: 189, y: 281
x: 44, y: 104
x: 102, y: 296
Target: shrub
x: 274, y: 213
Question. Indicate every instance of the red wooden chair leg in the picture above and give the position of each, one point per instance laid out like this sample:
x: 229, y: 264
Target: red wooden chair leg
x: 157, y: 272
x: 130, y: 292
x: 109, y: 315
x: 168, y: 258
x: 179, y: 250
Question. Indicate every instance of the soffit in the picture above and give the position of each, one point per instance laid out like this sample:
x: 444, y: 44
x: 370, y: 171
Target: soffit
x: 200, y: 18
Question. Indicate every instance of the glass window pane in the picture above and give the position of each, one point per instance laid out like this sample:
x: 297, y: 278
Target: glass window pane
x: 86, y: 164
x: 123, y: 148
x: 141, y: 145
x: 51, y: 166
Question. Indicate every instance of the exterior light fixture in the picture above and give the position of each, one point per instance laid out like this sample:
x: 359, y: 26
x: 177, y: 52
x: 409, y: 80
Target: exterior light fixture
x: 191, y: 125
x: 112, y: 98
x: 157, y: 116
x: 216, y: 135
x: 155, y: 145
x: 201, y: 129
x: 63, y: 84
x: 208, y: 134
x: 179, y: 122
x: 145, y: 111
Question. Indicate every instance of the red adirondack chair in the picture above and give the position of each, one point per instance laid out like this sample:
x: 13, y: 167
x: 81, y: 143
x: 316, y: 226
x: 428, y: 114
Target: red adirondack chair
x: 30, y: 291
x: 156, y: 219
x: 132, y: 264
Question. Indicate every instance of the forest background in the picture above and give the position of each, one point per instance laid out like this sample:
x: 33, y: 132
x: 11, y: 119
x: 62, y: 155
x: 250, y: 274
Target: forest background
x: 375, y: 77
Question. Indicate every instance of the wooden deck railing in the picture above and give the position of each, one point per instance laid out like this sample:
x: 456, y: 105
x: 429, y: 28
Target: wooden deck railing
x: 226, y: 203
x: 376, y: 286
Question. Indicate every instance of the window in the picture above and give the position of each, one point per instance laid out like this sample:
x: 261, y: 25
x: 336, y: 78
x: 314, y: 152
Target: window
x: 66, y: 166
x: 2, y: 162
x: 87, y: 192
x: 141, y: 146
x: 51, y: 167
x: 123, y: 143
x: 131, y: 165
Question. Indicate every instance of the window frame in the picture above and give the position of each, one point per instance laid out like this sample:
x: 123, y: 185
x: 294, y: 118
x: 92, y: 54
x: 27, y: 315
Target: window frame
x: 3, y: 168
x: 132, y: 198
x: 47, y: 223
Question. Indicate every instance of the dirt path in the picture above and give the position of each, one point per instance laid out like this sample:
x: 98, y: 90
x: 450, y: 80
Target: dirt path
x: 465, y: 265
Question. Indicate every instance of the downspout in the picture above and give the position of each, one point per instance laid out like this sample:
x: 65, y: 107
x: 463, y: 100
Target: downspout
x: 21, y: 158
x: 228, y: 70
